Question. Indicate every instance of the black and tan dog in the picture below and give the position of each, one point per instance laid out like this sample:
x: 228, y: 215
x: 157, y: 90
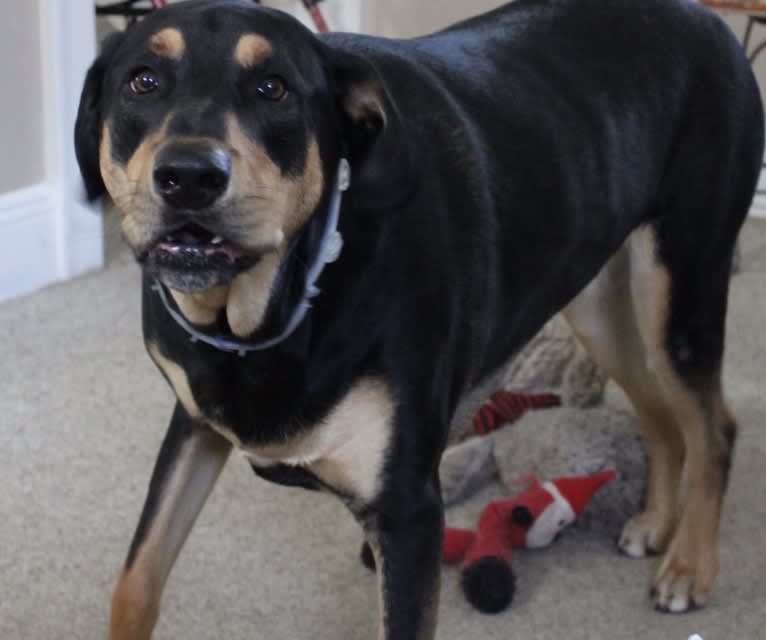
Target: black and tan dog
x: 596, y: 156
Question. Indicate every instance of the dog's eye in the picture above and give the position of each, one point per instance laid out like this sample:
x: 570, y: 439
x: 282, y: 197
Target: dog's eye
x: 144, y: 81
x: 273, y: 88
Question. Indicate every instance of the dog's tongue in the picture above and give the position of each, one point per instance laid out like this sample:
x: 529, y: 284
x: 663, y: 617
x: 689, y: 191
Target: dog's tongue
x: 232, y: 253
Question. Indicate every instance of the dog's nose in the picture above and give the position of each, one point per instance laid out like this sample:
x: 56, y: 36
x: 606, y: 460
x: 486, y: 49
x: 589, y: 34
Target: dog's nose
x: 191, y: 175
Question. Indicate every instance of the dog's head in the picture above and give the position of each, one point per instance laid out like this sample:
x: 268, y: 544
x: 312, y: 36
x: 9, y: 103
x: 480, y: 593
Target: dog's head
x: 217, y: 127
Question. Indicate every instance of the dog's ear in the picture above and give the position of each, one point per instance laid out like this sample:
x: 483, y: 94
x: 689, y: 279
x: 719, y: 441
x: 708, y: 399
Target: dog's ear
x: 379, y: 148
x: 87, y: 128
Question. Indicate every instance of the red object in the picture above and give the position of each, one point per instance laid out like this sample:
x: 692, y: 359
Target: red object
x: 456, y: 544
x: 531, y: 520
x: 317, y: 17
x: 508, y: 406
x: 579, y: 491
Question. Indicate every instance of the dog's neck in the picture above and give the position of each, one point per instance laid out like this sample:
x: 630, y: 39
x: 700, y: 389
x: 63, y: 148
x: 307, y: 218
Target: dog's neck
x: 246, y: 313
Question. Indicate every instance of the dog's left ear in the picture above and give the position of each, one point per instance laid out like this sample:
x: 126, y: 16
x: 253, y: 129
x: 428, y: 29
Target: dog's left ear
x: 87, y: 128
x: 383, y: 167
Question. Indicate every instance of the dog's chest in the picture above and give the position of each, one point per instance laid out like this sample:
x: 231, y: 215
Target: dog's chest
x: 345, y: 448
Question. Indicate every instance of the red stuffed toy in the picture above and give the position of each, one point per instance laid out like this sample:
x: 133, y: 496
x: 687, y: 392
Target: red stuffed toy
x: 532, y: 520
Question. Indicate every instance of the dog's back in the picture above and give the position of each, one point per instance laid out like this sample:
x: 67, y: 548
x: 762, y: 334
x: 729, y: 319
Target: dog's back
x: 569, y: 122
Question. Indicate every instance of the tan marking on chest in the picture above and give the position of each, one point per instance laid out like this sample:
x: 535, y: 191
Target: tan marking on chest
x: 168, y: 43
x: 347, y: 450
x: 252, y: 49
x: 245, y: 299
x: 202, y: 308
x: 178, y: 380
x: 250, y: 294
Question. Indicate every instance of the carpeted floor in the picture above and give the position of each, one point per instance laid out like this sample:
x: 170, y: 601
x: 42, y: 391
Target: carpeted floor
x: 83, y: 412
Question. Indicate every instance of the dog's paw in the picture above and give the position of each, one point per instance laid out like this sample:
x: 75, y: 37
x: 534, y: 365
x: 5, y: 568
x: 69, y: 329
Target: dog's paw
x: 646, y: 534
x: 684, y: 581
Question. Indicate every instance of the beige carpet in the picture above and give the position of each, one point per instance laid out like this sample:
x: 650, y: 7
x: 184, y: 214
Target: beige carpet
x: 83, y: 412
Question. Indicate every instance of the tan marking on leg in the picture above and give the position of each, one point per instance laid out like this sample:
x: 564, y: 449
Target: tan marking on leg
x: 168, y: 43
x: 605, y: 320
x: 178, y: 380
x: 202, y: 308
x: 687, y: 573
x: 347, y: 449
x: 686, y: 576
x: 651, y: 531
x: 250, y: 294
x: 136, y: 600
x: 252, y: 49
x: 135, y: 607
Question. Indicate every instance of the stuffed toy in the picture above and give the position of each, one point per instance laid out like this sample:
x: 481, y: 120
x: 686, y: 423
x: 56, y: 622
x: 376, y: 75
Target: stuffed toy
x: 532, y: 520
x: 505, y: 407
x: 553, y: 369
x: 519, y: 431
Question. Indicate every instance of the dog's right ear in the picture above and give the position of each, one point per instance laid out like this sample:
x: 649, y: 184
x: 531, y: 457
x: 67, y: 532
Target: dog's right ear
x: 383, y: 165
x: 87, y: 128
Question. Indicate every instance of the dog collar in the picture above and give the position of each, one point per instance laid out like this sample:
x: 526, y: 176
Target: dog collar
x: 330, y: 247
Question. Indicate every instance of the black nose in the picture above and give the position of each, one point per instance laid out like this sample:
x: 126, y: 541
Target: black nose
x: 190, y: 175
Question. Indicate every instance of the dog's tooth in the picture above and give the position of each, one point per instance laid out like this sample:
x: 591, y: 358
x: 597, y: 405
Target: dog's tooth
x: 217, y: 240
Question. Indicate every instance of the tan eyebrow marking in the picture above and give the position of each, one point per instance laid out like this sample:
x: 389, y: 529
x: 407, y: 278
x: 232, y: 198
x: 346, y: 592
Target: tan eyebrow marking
x: 252, y: 49
x: 168, y: 43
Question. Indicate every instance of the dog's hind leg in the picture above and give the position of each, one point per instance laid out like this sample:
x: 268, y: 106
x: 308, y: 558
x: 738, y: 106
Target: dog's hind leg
x: 680, y: 288
x: 187, y: 467
x: 604, y: 318
x: 642, y: 322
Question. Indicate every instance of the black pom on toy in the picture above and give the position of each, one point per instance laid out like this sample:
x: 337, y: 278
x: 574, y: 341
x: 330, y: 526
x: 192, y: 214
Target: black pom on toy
x: 489, y: 584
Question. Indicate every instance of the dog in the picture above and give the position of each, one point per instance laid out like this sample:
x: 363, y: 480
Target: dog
x: 341, y: 235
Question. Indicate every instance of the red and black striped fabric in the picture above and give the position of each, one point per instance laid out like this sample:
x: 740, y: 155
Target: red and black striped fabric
x: 508, y: 406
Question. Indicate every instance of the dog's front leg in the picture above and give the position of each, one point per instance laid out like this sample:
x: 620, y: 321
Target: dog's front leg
x: 187, y: 467
x: 404, y: 531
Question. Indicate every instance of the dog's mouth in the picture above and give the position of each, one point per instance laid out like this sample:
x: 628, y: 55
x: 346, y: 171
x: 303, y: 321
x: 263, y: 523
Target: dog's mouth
x: 192, y: 259
x: 195, y: 244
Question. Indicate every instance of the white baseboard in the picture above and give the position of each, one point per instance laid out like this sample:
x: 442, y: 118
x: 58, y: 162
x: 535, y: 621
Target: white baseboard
x: 28, y: 256
x: 35, y: 248
x: 758, y: 208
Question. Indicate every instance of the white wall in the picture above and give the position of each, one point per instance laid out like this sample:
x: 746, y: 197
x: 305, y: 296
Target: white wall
x: 408, y: 18
x: 46, y: 231
x: 21, y: 109
x: 341, y: 15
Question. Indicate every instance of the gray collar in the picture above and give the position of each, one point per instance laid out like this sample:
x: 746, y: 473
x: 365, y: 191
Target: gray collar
x: 330, y: 247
